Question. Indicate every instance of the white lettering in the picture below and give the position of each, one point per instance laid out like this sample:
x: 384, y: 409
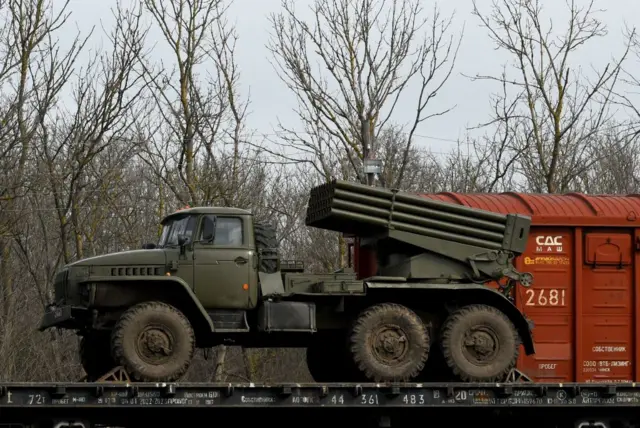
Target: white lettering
x: 257, y: 400
x: 609, y: 349
x: 603, y: 366
x: 413, y: 399
x: 547, y: 366
x: 461, y: 395
x: 552, y: 244
x: 620, y: 363
x: 369, y: 399
x: 549, y: 240
x: 36, y: 399
x: 545, y: 297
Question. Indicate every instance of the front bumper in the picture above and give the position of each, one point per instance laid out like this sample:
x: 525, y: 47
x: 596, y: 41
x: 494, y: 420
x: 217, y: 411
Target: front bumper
x: 63, y: 316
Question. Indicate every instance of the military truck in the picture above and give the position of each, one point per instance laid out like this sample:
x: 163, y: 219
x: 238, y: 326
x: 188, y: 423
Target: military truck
x: 215, y: 277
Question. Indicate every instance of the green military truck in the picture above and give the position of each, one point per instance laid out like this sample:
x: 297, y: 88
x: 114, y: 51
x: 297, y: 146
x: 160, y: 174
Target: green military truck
x: 214, y: 277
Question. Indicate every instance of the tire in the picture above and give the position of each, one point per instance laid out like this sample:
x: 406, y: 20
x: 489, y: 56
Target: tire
x: 141, y: 337
x: 267, y: 244
x: 95, y: 354
x: 469, y: 361
x: 399, y: 330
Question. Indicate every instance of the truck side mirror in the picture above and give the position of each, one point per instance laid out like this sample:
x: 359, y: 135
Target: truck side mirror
x: 209, y: 229
x: 183, y: 240
x: 148, y: 246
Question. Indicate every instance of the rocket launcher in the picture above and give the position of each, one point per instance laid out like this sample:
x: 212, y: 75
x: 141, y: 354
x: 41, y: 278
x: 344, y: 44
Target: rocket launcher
x: 423, y: 239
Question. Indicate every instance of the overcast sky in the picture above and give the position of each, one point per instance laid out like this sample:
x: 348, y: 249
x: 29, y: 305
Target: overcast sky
x: 271, y: 101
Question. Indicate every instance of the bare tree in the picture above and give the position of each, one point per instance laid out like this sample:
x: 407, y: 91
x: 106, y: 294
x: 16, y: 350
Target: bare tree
x: 488, y: 163
x: 33, y: 74
x: 201, y: 116
x: 564, y: 110
x: 617, y: 170
x: 32, y: 77
x: 61, y: 144
x: 107, y: 101
x: 628, y: 93
x: 350, y: 68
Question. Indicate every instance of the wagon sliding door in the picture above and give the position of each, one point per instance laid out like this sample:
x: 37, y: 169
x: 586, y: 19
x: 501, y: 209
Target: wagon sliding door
x: 607, y: 304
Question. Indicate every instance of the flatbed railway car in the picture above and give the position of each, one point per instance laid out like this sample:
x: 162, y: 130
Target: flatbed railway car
x: 122, y: 404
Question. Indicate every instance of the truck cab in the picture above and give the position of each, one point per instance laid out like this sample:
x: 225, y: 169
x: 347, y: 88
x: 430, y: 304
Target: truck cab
x: 209, y: 253
x: 214, y: 251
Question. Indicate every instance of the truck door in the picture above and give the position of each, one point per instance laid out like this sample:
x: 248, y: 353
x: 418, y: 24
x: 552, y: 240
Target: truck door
x: 183, y: 262
x: 222, y: 263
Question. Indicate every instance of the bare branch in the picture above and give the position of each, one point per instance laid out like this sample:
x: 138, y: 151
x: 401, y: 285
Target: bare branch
x: 369, y: 54
x: 564, y: 110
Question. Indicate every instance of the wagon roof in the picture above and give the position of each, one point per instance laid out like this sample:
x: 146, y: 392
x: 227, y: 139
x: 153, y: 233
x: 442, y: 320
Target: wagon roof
x: 570, y: 209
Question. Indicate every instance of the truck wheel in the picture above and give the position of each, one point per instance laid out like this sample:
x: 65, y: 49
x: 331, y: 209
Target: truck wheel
x: 479, y: 344
x: 95, y: 354
x: 154, y: 342
x: 389, y: 342
x: 267, y: 242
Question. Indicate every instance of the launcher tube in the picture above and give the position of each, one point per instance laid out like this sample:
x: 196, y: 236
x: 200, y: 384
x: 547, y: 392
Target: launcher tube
x: 416, y: 200
x: 363, y: 218
x: 420, y: 211
x: 409, y: 219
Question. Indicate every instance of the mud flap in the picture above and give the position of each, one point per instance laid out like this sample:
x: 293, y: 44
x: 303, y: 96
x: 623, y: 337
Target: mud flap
x: 271, y: 284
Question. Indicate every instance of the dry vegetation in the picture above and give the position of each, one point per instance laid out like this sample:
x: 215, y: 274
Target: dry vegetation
x: 92, y: 155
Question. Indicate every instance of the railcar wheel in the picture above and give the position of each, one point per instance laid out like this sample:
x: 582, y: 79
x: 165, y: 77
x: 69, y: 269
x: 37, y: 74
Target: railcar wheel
x: 389, y: 343
x: 479, y: 344
x: 154, y: 342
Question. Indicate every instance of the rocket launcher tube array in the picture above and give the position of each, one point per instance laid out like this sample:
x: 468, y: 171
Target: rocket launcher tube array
x: 409, y: 219
x: 341, y: 214
x: 344, y: 207
x: 421, y: 211
x: 410, y: 199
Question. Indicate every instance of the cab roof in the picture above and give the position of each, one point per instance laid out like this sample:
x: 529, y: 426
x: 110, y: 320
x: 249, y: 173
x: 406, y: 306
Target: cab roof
x: 206, y: 210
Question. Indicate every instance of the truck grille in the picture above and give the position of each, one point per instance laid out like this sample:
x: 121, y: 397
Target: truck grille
x: 137, y: 271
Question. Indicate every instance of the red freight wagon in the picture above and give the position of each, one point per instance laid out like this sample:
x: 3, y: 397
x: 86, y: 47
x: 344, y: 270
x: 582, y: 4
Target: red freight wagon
x: 584, y: 253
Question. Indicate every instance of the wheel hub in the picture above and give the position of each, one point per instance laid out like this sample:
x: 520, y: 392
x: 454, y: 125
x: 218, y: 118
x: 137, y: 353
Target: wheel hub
x: 389, y: 344
x: 481, y: 345
x: 155, y: 345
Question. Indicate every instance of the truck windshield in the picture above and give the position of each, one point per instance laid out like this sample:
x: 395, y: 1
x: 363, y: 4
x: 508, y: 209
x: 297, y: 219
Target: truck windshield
x: 174, y: 228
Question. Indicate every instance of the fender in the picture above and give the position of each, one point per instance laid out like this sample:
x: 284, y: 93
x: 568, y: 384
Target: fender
x: 194, y: 310
x: 473, y: 293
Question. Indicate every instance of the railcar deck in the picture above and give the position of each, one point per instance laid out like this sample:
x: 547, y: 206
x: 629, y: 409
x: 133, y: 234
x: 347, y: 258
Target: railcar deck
x: 124, y: 403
